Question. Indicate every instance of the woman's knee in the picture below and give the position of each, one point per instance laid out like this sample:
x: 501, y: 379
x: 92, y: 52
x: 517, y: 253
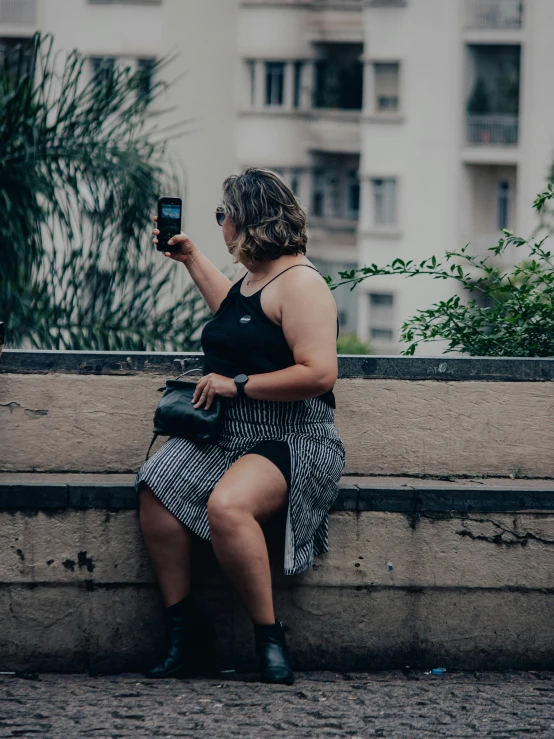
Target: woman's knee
x: 224, y: 515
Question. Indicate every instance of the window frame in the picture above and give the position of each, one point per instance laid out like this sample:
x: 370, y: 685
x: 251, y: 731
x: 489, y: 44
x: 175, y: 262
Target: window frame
x: 269, y: 76
x: 98, y: 75
x: 353, y: 181
x: 383, y: 222
x: 381, y: 63
x: 503, y: 203
x: 382, y: 324
x: 145, y: 65
x: 297, y: 74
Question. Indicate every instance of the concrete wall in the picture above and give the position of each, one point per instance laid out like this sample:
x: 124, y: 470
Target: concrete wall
x: 456, y: 572
x: 401, y: 420
x: 463, y: 590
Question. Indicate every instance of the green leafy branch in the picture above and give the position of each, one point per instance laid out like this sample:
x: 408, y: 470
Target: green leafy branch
x: 515, y: 314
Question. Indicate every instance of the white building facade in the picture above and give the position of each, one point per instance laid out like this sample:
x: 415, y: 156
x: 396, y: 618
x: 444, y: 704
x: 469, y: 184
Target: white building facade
x: 467, y: 147
x: 300, y: 114
x: 406, y: 127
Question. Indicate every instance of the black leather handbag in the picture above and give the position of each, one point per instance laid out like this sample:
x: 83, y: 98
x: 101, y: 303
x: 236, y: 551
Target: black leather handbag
x: 176, y: 415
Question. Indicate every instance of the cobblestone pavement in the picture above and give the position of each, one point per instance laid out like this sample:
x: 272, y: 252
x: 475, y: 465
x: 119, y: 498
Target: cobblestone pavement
x: 319, y: 704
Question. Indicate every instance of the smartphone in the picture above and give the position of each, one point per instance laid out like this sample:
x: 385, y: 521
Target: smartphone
x: 169, y: 222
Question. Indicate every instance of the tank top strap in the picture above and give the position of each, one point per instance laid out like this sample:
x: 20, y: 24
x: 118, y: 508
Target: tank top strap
x: 258, y: 293
x: 286, y: 270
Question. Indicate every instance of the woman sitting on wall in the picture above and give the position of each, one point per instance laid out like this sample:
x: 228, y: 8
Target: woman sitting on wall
x: 270, y: 355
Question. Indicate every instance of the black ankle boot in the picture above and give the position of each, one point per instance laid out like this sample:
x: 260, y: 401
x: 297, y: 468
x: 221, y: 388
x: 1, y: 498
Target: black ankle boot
x: 190, y: 642
x: 271, y: 647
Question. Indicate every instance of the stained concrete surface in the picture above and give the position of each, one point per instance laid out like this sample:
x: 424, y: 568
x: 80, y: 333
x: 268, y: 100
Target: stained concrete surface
x: 325, y: 704
x: 103, y: 423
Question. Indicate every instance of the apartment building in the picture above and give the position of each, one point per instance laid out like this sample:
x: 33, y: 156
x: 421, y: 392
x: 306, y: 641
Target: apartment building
x: 300, y: 114
x: 457, y: 138
x: 406, y: 127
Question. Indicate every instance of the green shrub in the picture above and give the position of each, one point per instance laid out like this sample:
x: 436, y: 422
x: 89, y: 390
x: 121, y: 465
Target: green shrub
x: 350, y: 344
x: 82, y: 163
x: 514, y: 316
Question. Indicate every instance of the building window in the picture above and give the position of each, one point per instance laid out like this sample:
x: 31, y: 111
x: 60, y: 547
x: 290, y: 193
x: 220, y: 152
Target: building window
x: 145, y: 69
x: 353, y: 194
x: 295, y: 181
x: 318, y: 192
x: 336, y: 187
x: 503, y: 209
x: 274, y: 83
x: 15, y: 54
x: 102, y: 69
x: 384, y: 202
x: 386, y: 86
x: 297, y: 84
x: 381, y: 317
x: 327, y: 193
x: 346, y: 300
x: 332, y: 194
x: 338, y: 76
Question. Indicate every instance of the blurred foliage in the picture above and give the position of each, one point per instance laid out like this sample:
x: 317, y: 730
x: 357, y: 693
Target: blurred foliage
x: 514, y: 316
x: 82, y: 163
x: 350, y: 344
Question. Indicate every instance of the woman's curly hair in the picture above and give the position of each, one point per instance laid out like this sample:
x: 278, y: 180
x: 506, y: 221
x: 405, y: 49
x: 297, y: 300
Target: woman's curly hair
x: 268, y: 218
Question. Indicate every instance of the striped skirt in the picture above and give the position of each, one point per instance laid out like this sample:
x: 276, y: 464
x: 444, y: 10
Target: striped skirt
x: 182, y: 474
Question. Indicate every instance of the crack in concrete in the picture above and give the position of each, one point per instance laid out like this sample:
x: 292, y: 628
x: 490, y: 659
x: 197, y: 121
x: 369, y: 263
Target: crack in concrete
x: 29, y: 412
x: 517, y: 538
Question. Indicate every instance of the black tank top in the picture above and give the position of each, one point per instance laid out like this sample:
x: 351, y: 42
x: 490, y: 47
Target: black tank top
x: 241, y: 338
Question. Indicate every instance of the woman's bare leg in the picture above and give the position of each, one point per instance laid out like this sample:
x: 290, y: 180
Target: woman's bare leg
x: 169, y: 545
x: 251, y: 490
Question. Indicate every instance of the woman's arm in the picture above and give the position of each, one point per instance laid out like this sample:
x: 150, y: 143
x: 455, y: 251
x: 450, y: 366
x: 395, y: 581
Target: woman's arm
x: 211, y: 282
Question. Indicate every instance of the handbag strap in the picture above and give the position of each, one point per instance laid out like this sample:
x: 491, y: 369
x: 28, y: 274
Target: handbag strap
x: 151, y: 445
x: 194, y: 369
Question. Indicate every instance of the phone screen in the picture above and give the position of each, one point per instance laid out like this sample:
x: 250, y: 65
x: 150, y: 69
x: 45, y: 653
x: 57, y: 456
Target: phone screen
x: 171, y: 211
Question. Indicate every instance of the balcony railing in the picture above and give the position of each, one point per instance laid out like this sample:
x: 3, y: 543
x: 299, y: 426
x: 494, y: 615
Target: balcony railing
x: 494, y: 13
x: 498, y: 130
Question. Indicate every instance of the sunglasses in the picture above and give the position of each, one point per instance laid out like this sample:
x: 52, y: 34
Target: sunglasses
x: 220, y: 215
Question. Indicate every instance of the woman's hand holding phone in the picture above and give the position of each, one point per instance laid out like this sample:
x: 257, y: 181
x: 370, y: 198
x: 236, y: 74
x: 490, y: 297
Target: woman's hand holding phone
x: 187, y: 250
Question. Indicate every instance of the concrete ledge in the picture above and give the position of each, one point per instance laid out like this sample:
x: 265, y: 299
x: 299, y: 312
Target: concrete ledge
x: 462, y: 369
x: 419, y: 572
x: 441, y: 559
x: 28, y: 491
x: 101, y: 629
x: 86, y: 413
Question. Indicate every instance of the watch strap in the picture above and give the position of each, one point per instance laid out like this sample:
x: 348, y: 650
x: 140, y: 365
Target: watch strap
x: 240, y: 387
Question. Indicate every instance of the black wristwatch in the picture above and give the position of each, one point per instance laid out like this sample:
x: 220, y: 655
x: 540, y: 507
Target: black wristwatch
x: 240, y: 382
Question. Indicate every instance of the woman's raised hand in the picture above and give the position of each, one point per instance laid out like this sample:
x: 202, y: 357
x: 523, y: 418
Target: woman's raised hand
x: 187, y: 250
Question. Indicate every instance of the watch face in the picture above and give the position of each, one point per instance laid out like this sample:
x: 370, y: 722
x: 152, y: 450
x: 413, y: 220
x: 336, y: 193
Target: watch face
x: 241, y: 378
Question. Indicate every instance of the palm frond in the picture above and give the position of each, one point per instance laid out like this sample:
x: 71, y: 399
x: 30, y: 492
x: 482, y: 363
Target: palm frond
x: 82, y: 164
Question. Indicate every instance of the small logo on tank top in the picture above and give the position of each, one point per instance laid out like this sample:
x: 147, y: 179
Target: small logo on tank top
x: 245, y: 319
